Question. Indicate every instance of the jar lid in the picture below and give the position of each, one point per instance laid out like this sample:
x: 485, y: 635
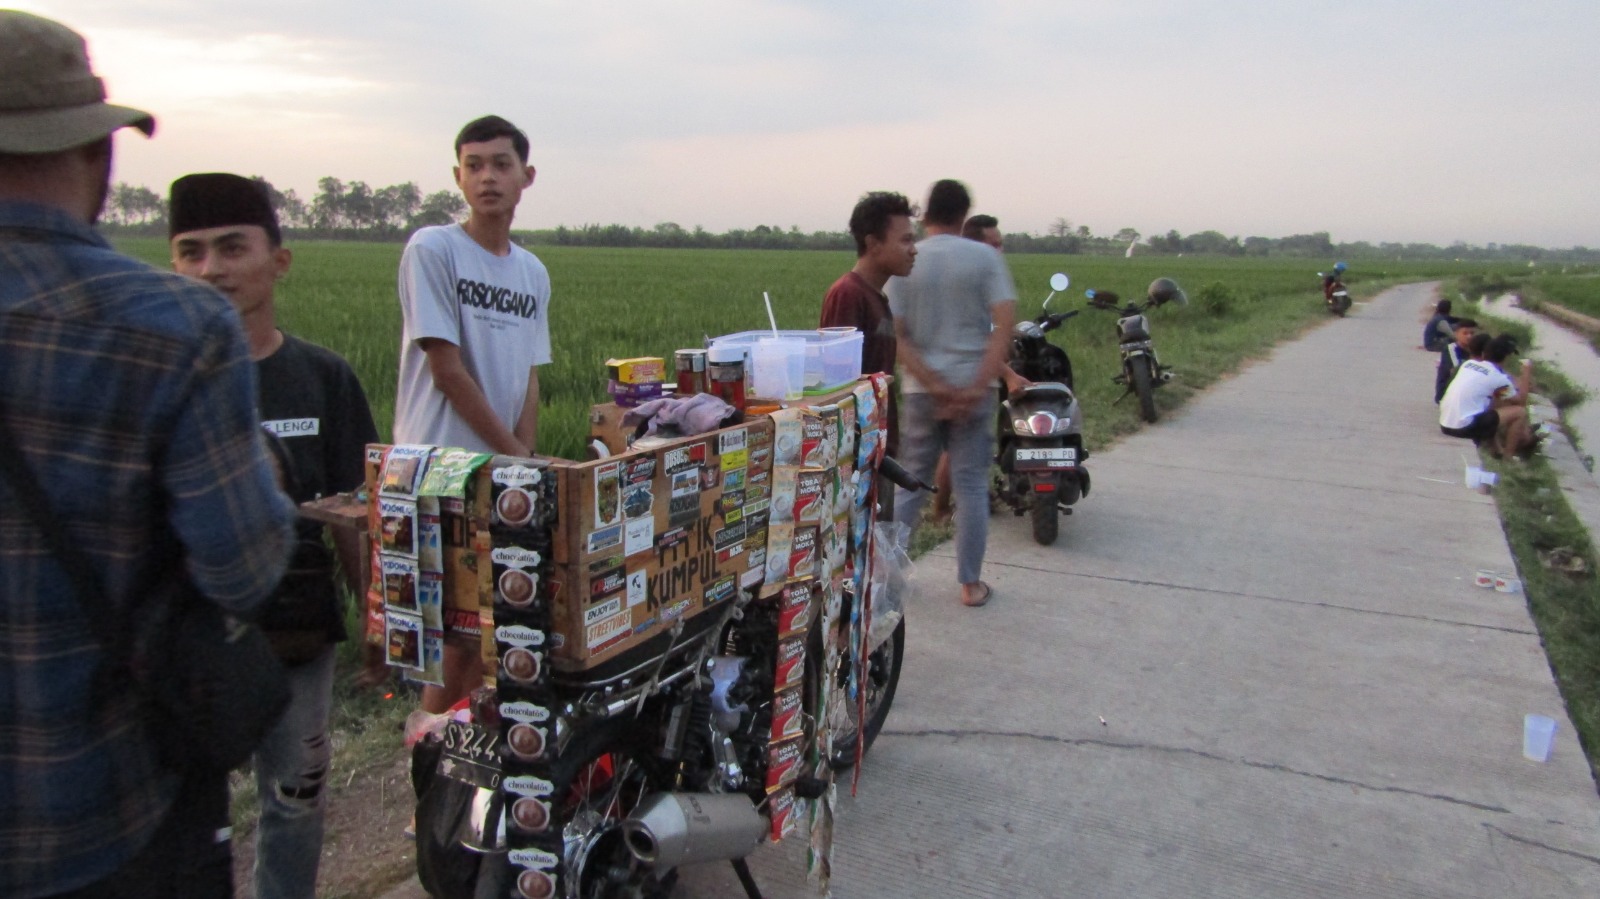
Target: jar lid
x: 725, y: 354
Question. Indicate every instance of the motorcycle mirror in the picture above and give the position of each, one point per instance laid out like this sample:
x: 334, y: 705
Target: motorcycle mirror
x: 1058, y: 282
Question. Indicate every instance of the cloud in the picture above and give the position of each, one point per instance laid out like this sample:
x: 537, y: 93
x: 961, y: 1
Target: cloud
x: 1421, y: 121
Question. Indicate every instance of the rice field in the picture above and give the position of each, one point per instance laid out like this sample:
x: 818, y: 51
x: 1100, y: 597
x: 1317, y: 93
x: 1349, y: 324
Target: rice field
x: 649, y: 302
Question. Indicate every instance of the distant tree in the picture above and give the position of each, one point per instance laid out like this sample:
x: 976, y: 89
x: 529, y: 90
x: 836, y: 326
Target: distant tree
x: 1084, y: 233
x: 1212, y: 243
x: 294, y: 213
x: 327, y: 209
x: 133, y: 205
x: 396, y: 205
x: 446, y: 206
x: 1059, y: 228
x: 1127, y: 235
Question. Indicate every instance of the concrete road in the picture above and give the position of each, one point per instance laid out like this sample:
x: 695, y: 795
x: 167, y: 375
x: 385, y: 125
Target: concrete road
x: 1269, y: 599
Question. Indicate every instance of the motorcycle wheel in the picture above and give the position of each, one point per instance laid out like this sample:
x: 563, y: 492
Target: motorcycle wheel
x: 1046, y: 516
x: 881, y: 681
x: 1139, y: 374
x: 599, y: 778
x: 446, y: 869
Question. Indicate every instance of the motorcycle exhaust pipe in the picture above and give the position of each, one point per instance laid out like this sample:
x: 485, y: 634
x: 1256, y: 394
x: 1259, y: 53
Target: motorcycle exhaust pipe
x: 669, y: 830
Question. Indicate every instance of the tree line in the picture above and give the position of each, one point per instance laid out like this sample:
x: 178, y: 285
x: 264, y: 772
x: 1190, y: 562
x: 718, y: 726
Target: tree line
x: 341, y: 209
x: 353, y: 210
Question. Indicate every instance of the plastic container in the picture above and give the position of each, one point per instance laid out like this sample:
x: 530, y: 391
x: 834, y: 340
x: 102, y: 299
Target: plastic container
x: 832, y: 357
x: 1538, y: 737
x: 778, y: 366
x: 725, y: 374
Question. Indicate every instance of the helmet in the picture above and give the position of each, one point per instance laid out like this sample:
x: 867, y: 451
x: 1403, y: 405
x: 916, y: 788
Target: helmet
x: 1339, y: 266
x: 1166, y: 290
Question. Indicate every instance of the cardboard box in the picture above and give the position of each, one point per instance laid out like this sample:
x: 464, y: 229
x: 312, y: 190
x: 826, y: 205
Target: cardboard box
x: 652, y: 535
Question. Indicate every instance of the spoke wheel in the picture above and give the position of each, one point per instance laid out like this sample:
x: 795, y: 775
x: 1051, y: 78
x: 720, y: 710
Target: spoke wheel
x: 600, y: 778
x: 880, y: 680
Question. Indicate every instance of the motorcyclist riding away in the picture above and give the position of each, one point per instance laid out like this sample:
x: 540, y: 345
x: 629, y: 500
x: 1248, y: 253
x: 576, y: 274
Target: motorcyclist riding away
x: 1332, y: 278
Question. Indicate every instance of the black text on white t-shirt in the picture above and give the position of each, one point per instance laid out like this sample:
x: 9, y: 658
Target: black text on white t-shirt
x: 498, y: 299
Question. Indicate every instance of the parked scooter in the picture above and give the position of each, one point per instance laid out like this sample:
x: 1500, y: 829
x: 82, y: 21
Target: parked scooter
x: 1333, y: 290
x: 1039, y: 448
x: 1142, y: 371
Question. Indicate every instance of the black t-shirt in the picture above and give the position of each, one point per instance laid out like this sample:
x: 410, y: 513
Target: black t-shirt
x: 311, y: 399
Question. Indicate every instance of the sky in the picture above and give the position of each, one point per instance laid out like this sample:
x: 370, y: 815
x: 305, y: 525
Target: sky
x: 1375, y: 120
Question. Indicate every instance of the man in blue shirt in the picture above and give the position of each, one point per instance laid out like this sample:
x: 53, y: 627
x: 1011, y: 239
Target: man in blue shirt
x: 131, y: 396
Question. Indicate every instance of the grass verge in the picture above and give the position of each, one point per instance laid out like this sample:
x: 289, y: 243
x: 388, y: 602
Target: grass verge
x: 1538, y: 521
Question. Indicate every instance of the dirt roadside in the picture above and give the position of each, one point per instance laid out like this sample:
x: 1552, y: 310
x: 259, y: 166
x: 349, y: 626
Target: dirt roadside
x: 364, y: 852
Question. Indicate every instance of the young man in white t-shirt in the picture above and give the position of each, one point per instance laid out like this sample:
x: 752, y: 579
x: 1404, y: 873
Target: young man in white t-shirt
x: 1483, y: 403
x: 476, y: 329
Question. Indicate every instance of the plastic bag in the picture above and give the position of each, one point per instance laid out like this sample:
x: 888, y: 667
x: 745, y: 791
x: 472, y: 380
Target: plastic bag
x: 892, y: 582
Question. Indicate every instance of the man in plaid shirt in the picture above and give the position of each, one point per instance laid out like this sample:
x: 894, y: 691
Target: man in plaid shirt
x: 130, y: 393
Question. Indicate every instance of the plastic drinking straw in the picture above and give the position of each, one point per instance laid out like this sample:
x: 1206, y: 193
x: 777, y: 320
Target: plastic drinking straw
x: 770, y: 317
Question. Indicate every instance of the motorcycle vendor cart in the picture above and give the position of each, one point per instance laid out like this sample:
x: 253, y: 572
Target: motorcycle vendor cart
x: 676, y: 655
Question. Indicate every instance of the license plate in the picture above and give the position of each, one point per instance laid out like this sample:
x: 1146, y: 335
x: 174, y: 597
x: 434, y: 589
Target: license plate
x: 471, y: 754
x: 1137, y: 345
x: 1052, y: 457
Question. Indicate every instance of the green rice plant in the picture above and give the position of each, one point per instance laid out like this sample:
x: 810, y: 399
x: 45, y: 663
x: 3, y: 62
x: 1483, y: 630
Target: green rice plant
x: 649, y: 302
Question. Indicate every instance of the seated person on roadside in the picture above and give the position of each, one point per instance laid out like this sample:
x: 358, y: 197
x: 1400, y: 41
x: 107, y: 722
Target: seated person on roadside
x: 1478, y: 345
x: 1436, y: 334
x: 1451, y: 357
x: 1483, y: 404
x: 225, y: 233
x: 886, y: 245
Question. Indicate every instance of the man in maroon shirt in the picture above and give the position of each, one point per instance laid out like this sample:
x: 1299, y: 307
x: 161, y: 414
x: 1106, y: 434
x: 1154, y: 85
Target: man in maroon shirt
x: 885, y: 246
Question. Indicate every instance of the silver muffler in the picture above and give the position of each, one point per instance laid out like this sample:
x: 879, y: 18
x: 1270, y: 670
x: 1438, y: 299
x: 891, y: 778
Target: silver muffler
x: 669, y: 830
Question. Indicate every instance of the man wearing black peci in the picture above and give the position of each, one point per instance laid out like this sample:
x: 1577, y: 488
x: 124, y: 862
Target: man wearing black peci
x: 224, y: 232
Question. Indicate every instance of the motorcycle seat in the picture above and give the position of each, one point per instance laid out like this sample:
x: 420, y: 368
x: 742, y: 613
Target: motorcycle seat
x: 1046, y: 390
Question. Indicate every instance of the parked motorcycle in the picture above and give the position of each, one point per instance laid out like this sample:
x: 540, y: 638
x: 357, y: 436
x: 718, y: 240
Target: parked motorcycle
x: 1334, y: 292
x: 1142, y: 371
x: 663, y: 752
x: 1039, y: 445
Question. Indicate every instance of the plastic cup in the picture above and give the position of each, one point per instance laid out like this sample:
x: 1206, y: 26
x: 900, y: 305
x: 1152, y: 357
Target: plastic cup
x: 1484, y: 577
x: 1507, y: 584
x: 779, y: 368
x: 1538, y: 737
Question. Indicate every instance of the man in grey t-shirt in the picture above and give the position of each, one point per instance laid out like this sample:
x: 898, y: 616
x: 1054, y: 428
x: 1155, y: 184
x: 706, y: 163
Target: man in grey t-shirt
x: 953, y: 316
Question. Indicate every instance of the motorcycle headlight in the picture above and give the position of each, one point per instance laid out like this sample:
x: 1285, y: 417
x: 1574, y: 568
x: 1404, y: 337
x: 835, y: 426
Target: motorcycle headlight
x: 1041, y: 424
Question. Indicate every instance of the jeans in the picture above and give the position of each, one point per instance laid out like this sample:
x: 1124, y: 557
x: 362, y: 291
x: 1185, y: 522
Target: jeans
x: 190, y: 855
x: 291, y: 777
x: 970, y: 443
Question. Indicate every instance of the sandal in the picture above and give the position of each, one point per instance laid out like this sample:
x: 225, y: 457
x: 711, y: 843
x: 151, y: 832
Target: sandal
x: 981, y: 599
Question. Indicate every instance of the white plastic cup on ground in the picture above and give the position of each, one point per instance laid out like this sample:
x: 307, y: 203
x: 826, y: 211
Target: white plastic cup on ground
x: 1538, y: 737
x: 1507, y: 584
x: 1484, y: 577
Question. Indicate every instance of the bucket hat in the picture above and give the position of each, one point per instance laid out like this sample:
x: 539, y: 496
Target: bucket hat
x: 50, y: 100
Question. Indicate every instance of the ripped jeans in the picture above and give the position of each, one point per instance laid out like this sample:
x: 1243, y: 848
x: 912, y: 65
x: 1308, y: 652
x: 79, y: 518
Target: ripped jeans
x: 291, y: 777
